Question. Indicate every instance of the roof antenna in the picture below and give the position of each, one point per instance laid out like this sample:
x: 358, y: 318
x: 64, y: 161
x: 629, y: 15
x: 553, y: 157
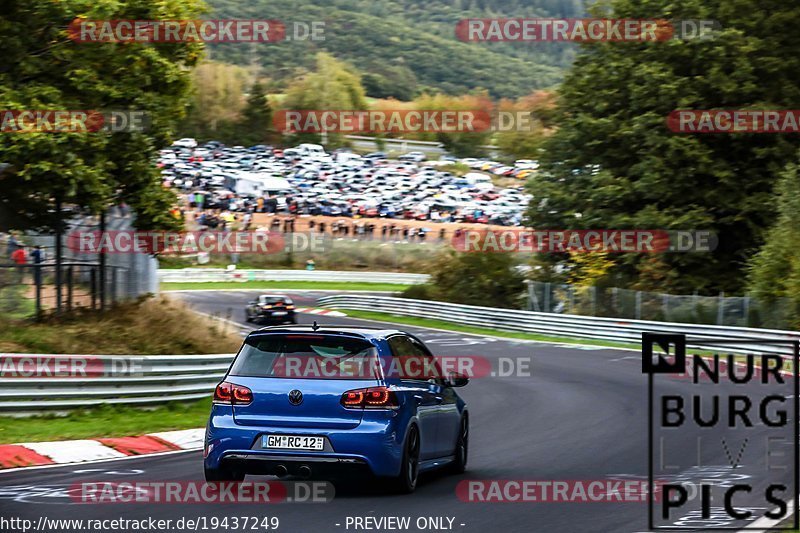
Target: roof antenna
x: 315, y: 327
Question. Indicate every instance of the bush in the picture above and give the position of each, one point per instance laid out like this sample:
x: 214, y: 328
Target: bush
x: 477, y: 279
x: 418, y: 292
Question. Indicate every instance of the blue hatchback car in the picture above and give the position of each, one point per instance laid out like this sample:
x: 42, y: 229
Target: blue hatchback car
x: 308, y: 400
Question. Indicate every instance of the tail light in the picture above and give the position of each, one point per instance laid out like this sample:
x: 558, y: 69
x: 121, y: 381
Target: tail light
x: 231, y: 394
x: 289, y: 307
x: 371, y: 398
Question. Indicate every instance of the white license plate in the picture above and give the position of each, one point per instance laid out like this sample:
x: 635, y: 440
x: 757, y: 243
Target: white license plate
x: 292, y: 442
x: 279, y: 313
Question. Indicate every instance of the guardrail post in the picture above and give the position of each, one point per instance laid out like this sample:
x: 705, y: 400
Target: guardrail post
x: 69, y: 288
x: 102, y: 257
x: 638, y: 305
x: 720, y: 309
x: 113, y: 285
x: 571, y: 292
x: 529, y: 283
x: 547, y: 297
x: 746, y: 311
x: 37, y: 279
x: 93, y: 286
x: 615, y: 300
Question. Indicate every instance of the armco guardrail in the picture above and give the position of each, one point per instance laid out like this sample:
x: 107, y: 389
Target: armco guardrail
x: 575, y: 326
x: 200, y: 275
x: 160, y: 378
x: 152, y: 379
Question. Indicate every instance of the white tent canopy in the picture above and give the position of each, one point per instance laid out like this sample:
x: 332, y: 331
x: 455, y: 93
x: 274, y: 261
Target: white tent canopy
x: 259, y: 183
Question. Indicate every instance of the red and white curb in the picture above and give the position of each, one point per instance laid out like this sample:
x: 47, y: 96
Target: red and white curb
x: 80, y: 451
x: 317, y: 311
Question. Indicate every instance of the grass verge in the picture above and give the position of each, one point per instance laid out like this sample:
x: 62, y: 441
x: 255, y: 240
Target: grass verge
x: 104, y: 421
x: 301, y: 285
x: 452, y: 326
x: 154, y: 326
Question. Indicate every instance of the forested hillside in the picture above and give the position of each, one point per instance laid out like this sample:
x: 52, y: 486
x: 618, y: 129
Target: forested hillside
x: 400, y: 45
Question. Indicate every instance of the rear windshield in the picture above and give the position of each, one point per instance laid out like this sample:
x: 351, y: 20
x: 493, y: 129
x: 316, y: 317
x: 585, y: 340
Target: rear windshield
x: 274, y: 299
x: 307, y: 356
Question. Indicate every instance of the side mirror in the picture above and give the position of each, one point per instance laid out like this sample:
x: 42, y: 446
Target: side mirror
x: 457, y: 380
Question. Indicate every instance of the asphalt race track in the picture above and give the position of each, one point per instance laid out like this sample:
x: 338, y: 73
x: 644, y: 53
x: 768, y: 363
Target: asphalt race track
x: 580, y: 415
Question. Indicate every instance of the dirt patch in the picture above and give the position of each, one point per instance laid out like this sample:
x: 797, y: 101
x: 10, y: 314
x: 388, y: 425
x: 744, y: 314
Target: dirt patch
x: 80, y: 297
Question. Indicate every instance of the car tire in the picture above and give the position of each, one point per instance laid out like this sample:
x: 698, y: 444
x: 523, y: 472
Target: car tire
x: 406, y: 482
x: 459, y: 465
x: 223, y: 474
x: 247, y: 317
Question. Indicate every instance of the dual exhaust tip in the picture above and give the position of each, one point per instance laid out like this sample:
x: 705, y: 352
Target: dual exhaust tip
x: 304, y: 471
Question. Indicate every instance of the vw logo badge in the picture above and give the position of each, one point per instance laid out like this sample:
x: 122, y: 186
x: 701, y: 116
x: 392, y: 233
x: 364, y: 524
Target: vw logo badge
x: 295, y: 397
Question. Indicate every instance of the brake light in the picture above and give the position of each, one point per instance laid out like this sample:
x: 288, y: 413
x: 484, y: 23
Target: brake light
x: 377, y: 397
x: 371, y: 398
x: 231, y: 394
x: 242, y: 395
x: 223, y: 393
x: 289, y: 307
x: 353, y: 398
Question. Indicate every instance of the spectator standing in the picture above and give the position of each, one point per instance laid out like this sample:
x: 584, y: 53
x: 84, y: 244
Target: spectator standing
x: 38, y: 256
x: 20, y: 258
x: 13, y: 244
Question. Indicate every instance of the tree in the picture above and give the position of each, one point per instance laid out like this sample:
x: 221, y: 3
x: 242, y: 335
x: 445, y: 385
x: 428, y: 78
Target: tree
x: 217, y: 101
x: 460, y: 144
x: 383, y: 34
x: 774, y: 273
x: 44, y: 70
x: 474, y: 278
x: 333, y: 85
x: 255, y: 127
x: 393, y: 81
x: 527, y: 144
x: 614, y: 164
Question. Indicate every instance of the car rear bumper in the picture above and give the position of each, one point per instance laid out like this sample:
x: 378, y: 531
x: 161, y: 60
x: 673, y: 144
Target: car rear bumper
x: 374, y: 445
x: 271, y: 316
x: 280, y: 464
